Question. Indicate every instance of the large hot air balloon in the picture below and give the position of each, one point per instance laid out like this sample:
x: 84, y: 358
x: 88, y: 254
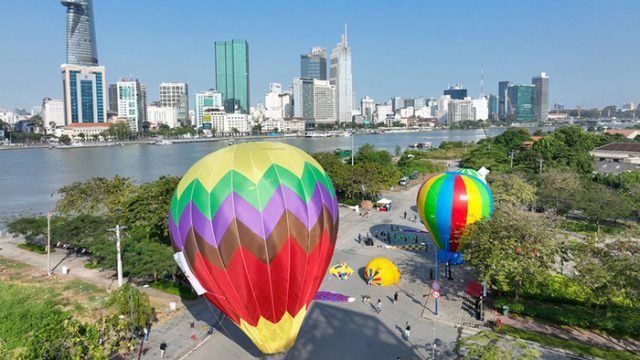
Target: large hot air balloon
x: 381, y: 272
x: 450, y: 201
x: 254, y: 227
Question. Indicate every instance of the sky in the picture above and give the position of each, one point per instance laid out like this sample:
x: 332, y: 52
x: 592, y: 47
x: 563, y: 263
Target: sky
x: 590, y: 49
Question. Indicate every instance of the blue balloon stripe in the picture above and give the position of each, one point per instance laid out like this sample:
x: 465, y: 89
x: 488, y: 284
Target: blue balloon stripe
x: 444, y: 209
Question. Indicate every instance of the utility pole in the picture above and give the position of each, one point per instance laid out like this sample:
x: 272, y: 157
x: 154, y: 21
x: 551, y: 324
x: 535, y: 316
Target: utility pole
x: 433, y: 343
x: 540, y: 161
x: 352, y: 140
x: 49, y: 214
x: 512, y: 151
x: 117, y: 230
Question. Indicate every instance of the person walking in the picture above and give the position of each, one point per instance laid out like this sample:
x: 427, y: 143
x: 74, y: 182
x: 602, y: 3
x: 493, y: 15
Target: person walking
x: 395, y: 298
x: 379, y: 306
x: 407, y: 330
x: 405, y: 215
x: 163, y: 348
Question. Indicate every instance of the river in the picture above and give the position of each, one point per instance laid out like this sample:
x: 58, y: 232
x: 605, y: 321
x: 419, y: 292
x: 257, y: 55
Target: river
x: 30, y: 178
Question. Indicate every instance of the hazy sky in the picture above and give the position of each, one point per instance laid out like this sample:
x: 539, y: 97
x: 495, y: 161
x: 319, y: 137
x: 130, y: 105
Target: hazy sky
x: 590, y: 49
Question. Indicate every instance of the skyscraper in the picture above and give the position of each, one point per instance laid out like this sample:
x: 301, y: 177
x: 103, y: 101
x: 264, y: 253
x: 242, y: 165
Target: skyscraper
x: 314, y: 64
x: 232, y: 74
x: 83, y: 81
x: 503, y: 99
x: 541, y: 108
x: 113, y: 98
x: 130, y: 103
x: 340, y: 77
x: 324, y: 111
x: 303, y: 98
x: 84, y: 94
x: 493, y: 107
x: 176, y: 95
x: 81, y: 33
x: 521, y: 102
x: 456, y: 92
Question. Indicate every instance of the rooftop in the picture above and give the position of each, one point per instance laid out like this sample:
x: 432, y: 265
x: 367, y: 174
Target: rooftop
x: 620, y: 147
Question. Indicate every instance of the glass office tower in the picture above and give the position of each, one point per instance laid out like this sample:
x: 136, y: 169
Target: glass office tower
x: 232, y: 74
x: 81, y: 33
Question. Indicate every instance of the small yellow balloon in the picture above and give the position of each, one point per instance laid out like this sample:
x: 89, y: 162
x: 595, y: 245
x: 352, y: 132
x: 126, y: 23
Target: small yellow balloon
x: 381, y: 272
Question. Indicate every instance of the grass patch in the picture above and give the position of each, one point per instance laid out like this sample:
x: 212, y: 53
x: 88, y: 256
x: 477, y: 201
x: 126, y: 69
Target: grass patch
x: 449, y: 153
x: 38, y: 249
x: 573, y: 346
x: 91, y: 265
x: 182, y: 290
x: 589, y: 228
x: 81, y: 287
x: 619, y: 321
x: 23, y: 309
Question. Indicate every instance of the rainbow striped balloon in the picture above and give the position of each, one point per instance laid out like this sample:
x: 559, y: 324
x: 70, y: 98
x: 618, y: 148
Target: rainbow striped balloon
x: 450, y: 201
x: 254, y: 227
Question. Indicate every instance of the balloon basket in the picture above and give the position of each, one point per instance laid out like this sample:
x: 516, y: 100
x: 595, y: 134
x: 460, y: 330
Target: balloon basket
x: 455, y: 258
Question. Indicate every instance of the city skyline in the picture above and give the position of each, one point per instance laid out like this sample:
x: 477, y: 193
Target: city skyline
x: 566, y: 52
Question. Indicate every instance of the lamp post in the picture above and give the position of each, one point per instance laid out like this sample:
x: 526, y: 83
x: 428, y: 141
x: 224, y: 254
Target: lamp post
x: 352, y: 148
x: 119, y: 258
x: 49, y: 215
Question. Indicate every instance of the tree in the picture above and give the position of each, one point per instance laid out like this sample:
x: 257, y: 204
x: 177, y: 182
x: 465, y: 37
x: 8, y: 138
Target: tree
x: 119, y: 130
x: 514, y: 249
x: 128, y: 298
x: 487, y: 345
x: 558, y: 190
x: 567, y: 149
x: 147, y: 207
x: 64, y: 139
x: 147, y: 260
x: 97, y: 195
x: 368, y: 153
x: 397, y: 150
x: 512, y: 189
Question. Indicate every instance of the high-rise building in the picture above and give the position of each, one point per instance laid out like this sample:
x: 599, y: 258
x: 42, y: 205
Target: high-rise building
x: 541, y: 109
x: 324, y: 111
x: 314, y: 64
x: 81, y: 34
x: 206, y: 99
x: 130, y: 103
x: 143, y: 105
x: 303, y: 98
x: 480, y: 108
x: 397, y: 103
x: 459, y: 110
x: 158, y: 115
x: 340, y: 77
x: 52, y: 113
x: 456, y: 92
x: 503, y: 99
x: 84, y: 90
x: 367, y: 108
x: 493, y: 107
x: 232, y: 74
x: 522, y: 101
x: 176, y: 94
x: 420, y: 102
x: 113, y: 98
x: 273, y: 102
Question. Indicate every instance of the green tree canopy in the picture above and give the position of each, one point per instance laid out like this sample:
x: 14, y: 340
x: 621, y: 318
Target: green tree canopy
x: 97, y: 195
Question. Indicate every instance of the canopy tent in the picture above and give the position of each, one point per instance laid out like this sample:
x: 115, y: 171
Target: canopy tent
x: 383, y: 202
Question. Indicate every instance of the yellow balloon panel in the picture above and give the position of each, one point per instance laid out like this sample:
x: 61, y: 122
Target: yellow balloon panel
x: 381, y: 272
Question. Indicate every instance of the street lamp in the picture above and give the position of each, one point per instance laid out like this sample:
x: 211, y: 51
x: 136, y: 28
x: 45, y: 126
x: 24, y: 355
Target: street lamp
x: 49, y: 215
x: 119, y: 258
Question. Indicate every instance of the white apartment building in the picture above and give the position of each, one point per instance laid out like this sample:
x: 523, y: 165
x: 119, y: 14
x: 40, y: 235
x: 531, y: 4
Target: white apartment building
x: 162, y: 115
x: 206, y: 99
x: 52, y: 113
x: 176, y: 94
x: 324, y: 111
x: 460, y: 110
x: 367, y: 107
x: 130, y: 103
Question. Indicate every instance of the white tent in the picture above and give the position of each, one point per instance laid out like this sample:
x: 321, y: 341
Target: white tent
x: 383, y: 201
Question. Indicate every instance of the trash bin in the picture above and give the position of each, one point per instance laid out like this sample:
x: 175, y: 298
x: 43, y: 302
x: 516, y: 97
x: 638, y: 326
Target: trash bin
x: 65, y: 270
x: 505, y: 310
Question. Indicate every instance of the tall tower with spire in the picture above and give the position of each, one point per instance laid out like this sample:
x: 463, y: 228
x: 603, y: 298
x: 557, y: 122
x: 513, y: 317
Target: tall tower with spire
x: 340, y: 77
x: 81, y: 33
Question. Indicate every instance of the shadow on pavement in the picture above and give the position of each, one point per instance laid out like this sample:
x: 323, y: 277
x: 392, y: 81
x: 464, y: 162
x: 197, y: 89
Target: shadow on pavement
x: 332, y: 332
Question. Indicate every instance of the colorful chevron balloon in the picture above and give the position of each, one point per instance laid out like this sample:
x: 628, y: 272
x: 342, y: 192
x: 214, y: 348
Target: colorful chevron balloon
x: 450, y: 201
x: 254, y: 227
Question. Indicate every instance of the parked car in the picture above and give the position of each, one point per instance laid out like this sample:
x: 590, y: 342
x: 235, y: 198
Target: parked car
x: 404, y: 181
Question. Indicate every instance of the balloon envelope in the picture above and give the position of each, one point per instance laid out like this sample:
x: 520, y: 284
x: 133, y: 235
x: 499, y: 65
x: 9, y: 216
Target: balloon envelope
x: 256, y: 226
x: 381, y: 272
x: 450, y: 201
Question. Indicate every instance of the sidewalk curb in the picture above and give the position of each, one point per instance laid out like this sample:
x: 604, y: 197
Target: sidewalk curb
x: 196, y: 347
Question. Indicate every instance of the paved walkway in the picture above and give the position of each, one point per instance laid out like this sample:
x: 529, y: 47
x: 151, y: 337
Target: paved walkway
x: 574, y: 334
